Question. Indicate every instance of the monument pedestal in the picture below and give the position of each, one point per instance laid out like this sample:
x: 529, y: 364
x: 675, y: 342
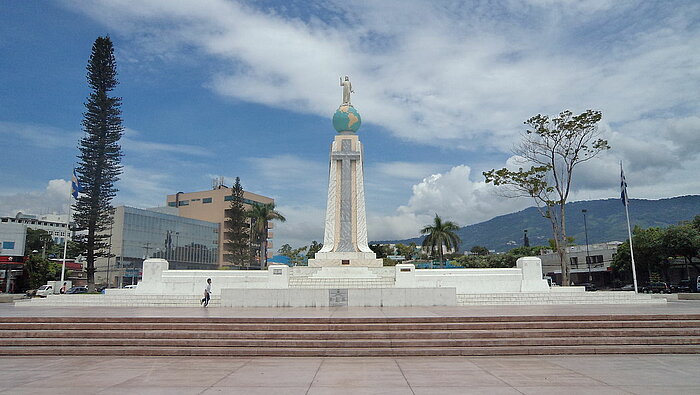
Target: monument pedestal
x: 346, y: 259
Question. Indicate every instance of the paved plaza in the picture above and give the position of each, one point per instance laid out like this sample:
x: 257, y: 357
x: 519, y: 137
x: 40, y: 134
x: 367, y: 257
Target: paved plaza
x: 589, y: 374
x: 646, y: 374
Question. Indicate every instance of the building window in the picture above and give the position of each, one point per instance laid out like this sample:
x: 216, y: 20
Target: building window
x: 172, y: 204
x: 574, y: 261
x: 207, y: 200
x: 228, y: 198
x: 8, y: 245
x: 184, y: 203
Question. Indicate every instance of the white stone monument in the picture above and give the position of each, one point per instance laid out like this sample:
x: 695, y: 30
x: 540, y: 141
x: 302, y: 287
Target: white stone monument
x: 345, y: 238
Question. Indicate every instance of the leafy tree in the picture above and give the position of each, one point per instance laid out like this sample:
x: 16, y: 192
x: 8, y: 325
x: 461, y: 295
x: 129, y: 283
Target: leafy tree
x: 260, y: 214
x: 552, y: 147
x: 237, y: 243
x: 381, y: 250
x: 440, y: 234
x: 683, y: 240
x: 39, y: 240
x: 479, y: 250
x: 650, y: 253
x: 313, y: 249
x: 39, y: 270
x: 407, y: 251
x: 296, y: 255
x: 100, y: 154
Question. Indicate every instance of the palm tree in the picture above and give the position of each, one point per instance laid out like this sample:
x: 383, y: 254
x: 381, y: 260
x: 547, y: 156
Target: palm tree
x: 440, y: 234
x: 260, y: 214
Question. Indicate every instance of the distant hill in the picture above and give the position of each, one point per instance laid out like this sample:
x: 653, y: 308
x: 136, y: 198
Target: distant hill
x: 605, y: 218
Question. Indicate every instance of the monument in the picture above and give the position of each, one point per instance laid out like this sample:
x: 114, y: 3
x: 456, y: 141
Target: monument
x: 345, y: 236
x: 345, y: 272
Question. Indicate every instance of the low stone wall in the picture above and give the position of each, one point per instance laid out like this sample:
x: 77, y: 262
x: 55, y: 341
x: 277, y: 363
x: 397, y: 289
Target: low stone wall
x: 158, y: 280
x: 358, y: 297
x: 526, y: 277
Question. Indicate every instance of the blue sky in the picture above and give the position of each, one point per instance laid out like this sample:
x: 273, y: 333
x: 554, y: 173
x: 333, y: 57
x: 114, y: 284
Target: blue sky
x: 225, y: 88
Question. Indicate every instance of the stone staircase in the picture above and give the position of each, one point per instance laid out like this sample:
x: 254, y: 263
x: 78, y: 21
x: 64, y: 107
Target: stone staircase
x: 311, y: 282
x: 348, y: 337
x: 554, y: 297
x: 118, y: 300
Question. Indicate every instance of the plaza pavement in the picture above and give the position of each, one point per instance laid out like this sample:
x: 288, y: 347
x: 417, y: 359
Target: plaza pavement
x: 589, y: 374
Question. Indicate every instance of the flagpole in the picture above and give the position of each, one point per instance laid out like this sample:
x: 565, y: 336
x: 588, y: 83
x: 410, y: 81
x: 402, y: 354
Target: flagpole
x: 65, y: 243
x: 625, y: 201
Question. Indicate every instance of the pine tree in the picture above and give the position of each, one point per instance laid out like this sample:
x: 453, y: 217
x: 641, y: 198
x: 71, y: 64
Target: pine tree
x: 237, y: 243
x: 100, y: 154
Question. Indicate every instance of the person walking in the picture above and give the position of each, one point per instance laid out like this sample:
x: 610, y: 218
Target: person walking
x: 207, y: 294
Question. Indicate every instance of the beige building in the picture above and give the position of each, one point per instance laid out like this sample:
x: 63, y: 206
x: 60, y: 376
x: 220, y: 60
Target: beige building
x: 211, y: 206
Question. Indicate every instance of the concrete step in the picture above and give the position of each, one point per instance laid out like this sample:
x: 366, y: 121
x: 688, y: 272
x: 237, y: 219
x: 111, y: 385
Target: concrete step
x: 356, y: 320
x: 348, y: 352
x: 353, y: 343
x: 350, y: 336
x: 311, y: 327
x: 601, y: 297
x: 344, y: 335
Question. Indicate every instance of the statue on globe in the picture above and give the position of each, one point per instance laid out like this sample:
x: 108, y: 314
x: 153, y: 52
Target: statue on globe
x: 347, y: 89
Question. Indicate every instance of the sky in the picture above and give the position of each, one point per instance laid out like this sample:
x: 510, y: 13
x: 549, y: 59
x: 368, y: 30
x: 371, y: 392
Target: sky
x: 247, y: 89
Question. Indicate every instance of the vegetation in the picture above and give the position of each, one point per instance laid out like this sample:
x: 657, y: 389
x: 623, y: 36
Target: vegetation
x: 497, y: 260
x: 41, y: 270
x: 100, y: 155
x: 297, y: 256
x: 313, y: 249
x: 237, y: 230
x: 552, y: 147
x: 260, y: 214
x: 439, y: 236
x: 655, y: 248
x: 41, y: 241
x: 479, y: 250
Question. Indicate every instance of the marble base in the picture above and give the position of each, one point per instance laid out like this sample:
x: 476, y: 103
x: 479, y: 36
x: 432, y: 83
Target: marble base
x: 359, y: 297
x: 353, y: 259
x: 344, y: 272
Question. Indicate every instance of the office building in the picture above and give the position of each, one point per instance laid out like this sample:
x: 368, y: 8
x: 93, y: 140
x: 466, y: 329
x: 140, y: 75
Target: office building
x: 211, y: 205
x: 138, y: 234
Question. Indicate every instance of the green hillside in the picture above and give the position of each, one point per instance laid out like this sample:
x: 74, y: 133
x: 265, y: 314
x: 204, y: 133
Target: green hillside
x: 605, y: 218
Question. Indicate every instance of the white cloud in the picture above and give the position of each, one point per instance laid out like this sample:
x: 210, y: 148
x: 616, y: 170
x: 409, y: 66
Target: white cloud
x: 41, y: 136
x: 53, y: 199
x: 453, y: 195
x: 452, y: 75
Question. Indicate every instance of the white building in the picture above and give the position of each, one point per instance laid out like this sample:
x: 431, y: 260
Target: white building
x: 55, y: 224
x: 600, y: 257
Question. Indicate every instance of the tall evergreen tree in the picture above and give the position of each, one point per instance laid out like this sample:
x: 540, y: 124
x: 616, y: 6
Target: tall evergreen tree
x: 100, y: 154
x: 237, y: 243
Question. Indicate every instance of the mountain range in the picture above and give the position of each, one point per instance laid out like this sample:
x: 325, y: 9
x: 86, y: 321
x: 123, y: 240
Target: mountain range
x: 605, y: 220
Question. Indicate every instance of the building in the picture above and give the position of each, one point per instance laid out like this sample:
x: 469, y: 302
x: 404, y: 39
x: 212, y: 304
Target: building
x: 138, y: 234
x: 55, y: 224
x: 12, y: 239
x: 211, y: 206
x: 600, y: 256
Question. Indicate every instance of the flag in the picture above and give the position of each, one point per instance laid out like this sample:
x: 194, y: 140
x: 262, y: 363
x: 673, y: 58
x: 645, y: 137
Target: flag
x: 623, y: 186
x: 75, y: 186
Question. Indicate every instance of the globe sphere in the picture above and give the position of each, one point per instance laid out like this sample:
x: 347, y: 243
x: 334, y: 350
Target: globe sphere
x: 346, y: 119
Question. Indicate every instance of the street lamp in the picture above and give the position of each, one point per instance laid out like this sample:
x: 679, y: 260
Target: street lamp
x: 588, y: 258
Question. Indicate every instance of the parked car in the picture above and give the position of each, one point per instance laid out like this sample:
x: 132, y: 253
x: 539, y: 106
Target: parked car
x: 44, y: 291
x: 77, y: 290
x: 682, y: 286
x: 589, y: 286
x: 656, y: 288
